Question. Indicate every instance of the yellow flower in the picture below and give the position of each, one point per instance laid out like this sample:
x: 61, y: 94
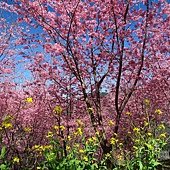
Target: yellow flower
x: 59, y: 127
x: 50, y: 134
x: 62, y: 128
x: 16, y: 160
x: 146, y: 123
x: 161, y: 127
x: 37, y: 148
x: 78, y: 132
x: 81, y: 151
x: 27, y: 129
x: 90, y: 110
x: 136, y: 130
x: 69, y: 137
x: 119, y: 157
x: 128, y: 113
x: 47, y: 147
x: 29, y: 100
x: 89, y: 140
x: 149, y: 134
x: 7, y: 125
x: 163, y: 135
x: 111, y: 123
x: 38, y: 167
x: 56, y: 127
x: 158, y: 111
x: 113, y: 141
x: 58, y: 110
x: 68, y: 148
x: 77, y: 145
x: 147, y: 102
x: 85, y: 158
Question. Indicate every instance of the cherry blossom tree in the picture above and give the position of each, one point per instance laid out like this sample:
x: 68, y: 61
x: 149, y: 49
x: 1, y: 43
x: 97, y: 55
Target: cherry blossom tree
x: 90, y: 47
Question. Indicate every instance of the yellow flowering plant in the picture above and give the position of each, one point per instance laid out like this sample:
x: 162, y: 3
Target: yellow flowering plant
x: 148, y: 142
x: 146, y: 150
x: 7, y: 122
x: 158, y: 112
x: 16, y: 160
x: 58, y: 110
x: 71, y: 155
x: 29, y: 100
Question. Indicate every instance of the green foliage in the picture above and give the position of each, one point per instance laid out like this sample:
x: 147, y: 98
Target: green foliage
x: 80, y: 157
x: 3, y: 152
x: 3, y: 167
x: 146, y: 152
x: 148, y: 142
x: 4, y: 164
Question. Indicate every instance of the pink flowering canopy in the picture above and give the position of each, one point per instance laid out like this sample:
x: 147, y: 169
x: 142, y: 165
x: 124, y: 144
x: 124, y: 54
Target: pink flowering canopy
x: 98, y: 60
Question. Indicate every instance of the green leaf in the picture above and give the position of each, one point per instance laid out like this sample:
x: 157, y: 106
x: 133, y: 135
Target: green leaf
x: 94, y: 166
x: 79, y: 168
x: 149, y: 146
x: 140, y: 165
x: 155, y: 163
x: 3, y: 152
x: 3, y: 167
